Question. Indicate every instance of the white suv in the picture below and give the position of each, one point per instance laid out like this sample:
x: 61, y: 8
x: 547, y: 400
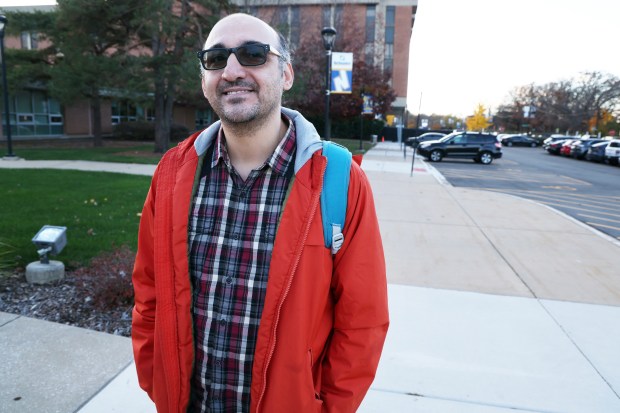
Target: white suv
x: 612, y: 152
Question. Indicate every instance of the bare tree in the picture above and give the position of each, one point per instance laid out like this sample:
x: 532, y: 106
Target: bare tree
x: 566, y: 105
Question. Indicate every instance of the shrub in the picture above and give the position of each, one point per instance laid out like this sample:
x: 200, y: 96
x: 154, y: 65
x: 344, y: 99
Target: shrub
x: 145, y: 131
x: 8, y: 256
x: 107, y: 279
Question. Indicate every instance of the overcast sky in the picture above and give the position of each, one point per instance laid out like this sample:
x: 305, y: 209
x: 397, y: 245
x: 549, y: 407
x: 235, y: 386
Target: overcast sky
x: 465, y: 52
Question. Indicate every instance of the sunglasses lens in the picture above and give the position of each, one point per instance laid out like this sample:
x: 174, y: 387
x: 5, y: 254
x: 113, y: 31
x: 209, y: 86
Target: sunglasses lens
x: 252, y: 55
x: 215, y: 59
x: 248, y: 55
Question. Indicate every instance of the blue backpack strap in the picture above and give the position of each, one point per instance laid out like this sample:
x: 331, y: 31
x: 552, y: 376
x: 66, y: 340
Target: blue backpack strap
x: 334, y: 193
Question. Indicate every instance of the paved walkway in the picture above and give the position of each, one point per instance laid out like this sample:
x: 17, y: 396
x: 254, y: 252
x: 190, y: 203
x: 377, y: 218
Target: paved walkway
x: 498, y: 304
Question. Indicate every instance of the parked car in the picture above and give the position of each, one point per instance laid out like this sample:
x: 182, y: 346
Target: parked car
x: 612, y: 152
x: 481, y: 147
x: 580, y: 148
x: 553, y: 139
x: 567, y: 146
x: 596, y: 152
x: 414, y: 141
x: 518, y: 140
x: 554, y: 147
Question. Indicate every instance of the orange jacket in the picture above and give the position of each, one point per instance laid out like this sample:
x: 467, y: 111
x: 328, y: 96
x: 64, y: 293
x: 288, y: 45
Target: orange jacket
x: 324, y: 319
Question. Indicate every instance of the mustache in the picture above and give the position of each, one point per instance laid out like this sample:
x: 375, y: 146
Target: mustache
x: 223, y: 85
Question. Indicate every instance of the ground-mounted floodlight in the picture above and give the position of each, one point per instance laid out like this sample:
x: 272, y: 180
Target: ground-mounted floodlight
x: 49, y: 240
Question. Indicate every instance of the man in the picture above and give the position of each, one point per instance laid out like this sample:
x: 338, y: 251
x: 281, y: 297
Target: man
x: 239, y: 306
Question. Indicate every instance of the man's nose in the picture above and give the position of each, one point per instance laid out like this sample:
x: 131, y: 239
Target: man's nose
x: 234, y: 69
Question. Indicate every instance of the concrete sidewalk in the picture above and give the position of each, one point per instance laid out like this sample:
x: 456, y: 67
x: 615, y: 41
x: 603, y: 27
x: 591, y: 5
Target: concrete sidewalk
x: 498, y: 304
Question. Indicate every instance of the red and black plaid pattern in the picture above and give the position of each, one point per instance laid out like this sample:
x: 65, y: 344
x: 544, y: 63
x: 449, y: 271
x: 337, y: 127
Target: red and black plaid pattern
x: 232, y: 229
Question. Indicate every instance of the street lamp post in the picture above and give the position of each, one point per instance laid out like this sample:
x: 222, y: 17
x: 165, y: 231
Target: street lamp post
x: 329, y: 35
x: 3, y: 21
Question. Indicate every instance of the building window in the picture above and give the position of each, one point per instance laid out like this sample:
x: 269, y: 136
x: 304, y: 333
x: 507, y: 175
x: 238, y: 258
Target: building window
x: 327, y: 16
x: 369, y: 49
x: 29, y: 40
x: 389, y: 57
x: 126, y: 111
x: 389, y: 24
x: 338, y: 19
x: 389, y: 37
x: 204, y: 118
x: 33, y: 113
x: 295, y: 27
x: 369, y: 54
x: 282, y: 25
x: 370, y: 23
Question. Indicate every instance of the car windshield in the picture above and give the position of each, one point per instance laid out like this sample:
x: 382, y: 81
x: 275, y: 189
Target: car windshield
x: 450, y: 136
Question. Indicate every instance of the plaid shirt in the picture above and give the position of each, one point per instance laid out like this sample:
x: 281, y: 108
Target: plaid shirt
x: 232, y: 230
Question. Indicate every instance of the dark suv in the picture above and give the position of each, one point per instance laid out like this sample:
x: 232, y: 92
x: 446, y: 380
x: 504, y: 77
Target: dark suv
x: 481, y: 147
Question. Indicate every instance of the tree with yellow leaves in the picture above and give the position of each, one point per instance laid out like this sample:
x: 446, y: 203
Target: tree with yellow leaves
x: 600, y: 119
x: 478, y: 121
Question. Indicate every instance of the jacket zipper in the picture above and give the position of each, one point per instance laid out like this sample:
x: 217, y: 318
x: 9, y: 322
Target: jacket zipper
x: 315, y: 202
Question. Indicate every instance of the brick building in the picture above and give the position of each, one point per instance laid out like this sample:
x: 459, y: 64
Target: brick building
x: 383, y: 28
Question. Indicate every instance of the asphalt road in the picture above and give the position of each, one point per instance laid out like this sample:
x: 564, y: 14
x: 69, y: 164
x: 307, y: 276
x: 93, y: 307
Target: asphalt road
x: 587, y: 191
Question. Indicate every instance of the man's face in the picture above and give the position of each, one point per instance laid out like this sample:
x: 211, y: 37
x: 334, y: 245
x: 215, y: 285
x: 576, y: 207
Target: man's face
x: 242, y: 94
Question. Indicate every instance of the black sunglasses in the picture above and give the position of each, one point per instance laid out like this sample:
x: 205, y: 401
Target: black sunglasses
x: 254, y: 54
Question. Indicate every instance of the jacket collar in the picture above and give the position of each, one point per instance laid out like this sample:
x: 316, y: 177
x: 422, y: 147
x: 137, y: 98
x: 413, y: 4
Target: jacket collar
x: 307, y: 138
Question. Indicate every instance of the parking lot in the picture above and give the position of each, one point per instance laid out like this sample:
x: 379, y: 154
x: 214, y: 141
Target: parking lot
x: 586, y: 191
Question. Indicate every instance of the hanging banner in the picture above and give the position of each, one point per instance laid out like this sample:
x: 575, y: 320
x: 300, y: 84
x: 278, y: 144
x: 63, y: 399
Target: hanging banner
x: 367, y: 104
x: 342, y: 72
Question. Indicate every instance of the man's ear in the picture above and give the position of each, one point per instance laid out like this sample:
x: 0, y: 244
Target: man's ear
x: 289, y: 76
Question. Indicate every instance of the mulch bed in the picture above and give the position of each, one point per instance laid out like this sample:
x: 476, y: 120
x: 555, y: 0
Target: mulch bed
x: 98, y: 297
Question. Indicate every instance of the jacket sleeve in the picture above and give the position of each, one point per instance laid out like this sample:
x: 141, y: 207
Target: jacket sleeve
x: 143, y: 315
x: 360, y: 297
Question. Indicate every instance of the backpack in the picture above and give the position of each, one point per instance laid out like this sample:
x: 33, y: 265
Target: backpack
x: 334, y: 193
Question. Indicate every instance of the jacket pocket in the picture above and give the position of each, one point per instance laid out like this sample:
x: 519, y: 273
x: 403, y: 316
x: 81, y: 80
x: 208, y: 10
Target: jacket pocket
x: 318, y: 402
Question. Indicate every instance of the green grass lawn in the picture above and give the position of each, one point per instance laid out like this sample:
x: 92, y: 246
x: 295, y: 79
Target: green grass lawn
x: 111, y: 152
x: 139, y: 153
x: 100, y: 210
x: 354, y: 145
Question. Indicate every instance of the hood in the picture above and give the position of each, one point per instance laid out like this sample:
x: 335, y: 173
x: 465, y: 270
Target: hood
x: 308, y: 139
x: 429, y: 143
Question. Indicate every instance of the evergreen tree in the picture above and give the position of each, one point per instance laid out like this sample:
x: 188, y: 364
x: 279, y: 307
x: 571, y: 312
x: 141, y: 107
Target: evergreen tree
x: 93, y: 38
x: 172, y: 31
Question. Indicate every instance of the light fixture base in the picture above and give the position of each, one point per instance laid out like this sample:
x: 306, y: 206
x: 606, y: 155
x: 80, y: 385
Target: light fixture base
x: 39, y: 273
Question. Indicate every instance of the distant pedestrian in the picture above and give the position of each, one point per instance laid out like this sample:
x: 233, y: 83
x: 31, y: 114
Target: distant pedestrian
x: 239, y: 305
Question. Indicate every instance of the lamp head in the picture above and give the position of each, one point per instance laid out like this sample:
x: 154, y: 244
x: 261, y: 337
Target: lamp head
x: 329, y: 35
x: 3, y: 21
x: 51, y: 238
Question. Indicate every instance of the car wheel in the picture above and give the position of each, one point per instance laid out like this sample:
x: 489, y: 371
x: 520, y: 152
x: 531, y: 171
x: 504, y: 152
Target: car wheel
x: 533, y: 144
x: 485, y: 158
x: 436, y: 155
x: 509, y: 144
